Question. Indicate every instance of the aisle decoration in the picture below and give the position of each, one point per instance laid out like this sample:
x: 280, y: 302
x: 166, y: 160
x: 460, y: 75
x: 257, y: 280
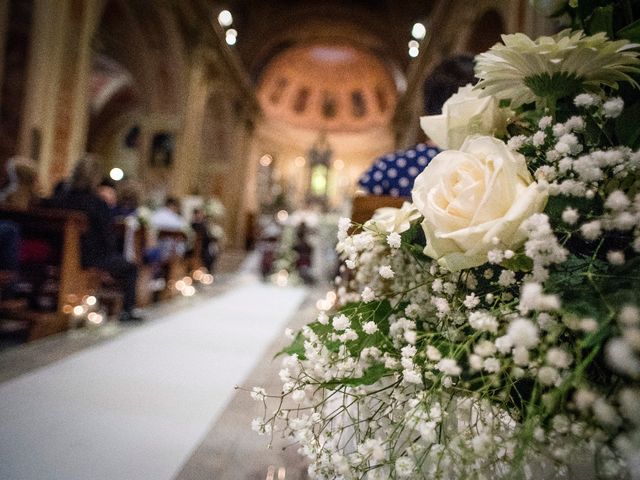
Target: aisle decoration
x: 491, y: 328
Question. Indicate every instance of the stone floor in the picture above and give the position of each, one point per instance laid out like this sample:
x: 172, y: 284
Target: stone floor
x: 231, y: 450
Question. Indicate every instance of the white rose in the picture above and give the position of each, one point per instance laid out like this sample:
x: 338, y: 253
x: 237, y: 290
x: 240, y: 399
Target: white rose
x: 472, y: 196
x: 464, y: 114
x: 393, y: 220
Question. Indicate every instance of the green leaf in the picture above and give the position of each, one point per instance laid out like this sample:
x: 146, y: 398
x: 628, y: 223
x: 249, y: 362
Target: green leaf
x: 631, y: 32
x: 295, y: 348
x: 551, y: 87
x: 410, y: 235
x: 601, y: 21
x: 371, y: 375
x: 558, y: 203
x: 627, y: 129
x: 518, y: 263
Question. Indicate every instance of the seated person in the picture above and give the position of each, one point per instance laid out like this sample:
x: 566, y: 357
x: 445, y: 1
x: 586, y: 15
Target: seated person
x: 98, y: 244
x: 21, y: 185
x: 393, y: 174
x: 169, y: 219
x: 107, y: 192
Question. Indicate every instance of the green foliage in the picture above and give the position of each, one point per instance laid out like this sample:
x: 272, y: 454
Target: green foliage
x: 296, y: 347
x: 518, y: 263
x: 371, y: 375
x: 616, y: 18
x: 627, y: 128
x: 601, y: 20
x: 631, y: 32
x: 557, y: 85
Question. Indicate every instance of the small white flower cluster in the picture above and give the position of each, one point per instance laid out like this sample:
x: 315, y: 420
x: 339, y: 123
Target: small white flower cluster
x: 417, y: 371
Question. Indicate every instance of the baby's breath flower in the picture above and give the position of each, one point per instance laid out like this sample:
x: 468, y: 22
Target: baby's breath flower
x: 491, y: 365
x: 570, y: 216
x: 367, y: 295
x: 591, y: 230
x: 386, y: 272
x: 617, y: 200
x: 343, y: 227
x: 515, y: 143
x: 539, y: 138
x: 523, y: 333
x: 575, y: 124
x: 394, y: 240
x: 545, y: 122
x: 449, y: 366
x: 433, y: 353
x: 615, y: 257
x: 483, y: 321
x: 507, y: 277
x: 341, y: 322
x: 613, y: 108
x: 258, y: 393
x: 548, y: 375
x: 585, y: 100
x: 471, y: 301
x: 370, y: 327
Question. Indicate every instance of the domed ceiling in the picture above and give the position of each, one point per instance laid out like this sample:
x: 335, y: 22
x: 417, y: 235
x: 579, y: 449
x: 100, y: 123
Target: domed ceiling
x: 328, y: 87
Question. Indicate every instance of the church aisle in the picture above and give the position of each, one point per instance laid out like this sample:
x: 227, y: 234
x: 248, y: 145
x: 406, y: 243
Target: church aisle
x: 136, y: 407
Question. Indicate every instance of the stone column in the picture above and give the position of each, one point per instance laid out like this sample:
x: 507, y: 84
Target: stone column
x: 189, y: 144
x: 56, y: 102
x: 238, y: 180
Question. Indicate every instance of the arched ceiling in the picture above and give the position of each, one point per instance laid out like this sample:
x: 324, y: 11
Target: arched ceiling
x: 383, y: 27
x: 330, y: 65
x: 331, y: 87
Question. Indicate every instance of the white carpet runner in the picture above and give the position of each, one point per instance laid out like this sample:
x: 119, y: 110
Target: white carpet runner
x: 136, y: 407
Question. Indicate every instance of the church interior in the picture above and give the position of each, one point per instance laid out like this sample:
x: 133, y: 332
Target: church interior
x: 225, y: 139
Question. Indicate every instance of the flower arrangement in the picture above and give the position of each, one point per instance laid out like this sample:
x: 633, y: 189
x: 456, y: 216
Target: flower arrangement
x: 491, y: 328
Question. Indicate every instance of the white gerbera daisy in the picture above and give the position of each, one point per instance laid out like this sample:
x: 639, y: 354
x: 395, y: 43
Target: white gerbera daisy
x: 523, y: 70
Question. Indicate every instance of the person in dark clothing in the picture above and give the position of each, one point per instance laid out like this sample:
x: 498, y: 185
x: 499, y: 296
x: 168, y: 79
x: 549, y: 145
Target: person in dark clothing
x: 99, y: 242
x: 208, y: 247
x: 304, y: 251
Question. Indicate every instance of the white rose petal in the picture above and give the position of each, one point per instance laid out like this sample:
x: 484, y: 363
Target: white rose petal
x: 465, y: 113
x: 470, y: 196
x: 388, y: 220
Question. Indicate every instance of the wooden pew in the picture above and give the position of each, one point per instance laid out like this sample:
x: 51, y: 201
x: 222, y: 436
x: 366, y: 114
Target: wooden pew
x: 175, y: 267
x: 364, y: 206
x: 63, y: 230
